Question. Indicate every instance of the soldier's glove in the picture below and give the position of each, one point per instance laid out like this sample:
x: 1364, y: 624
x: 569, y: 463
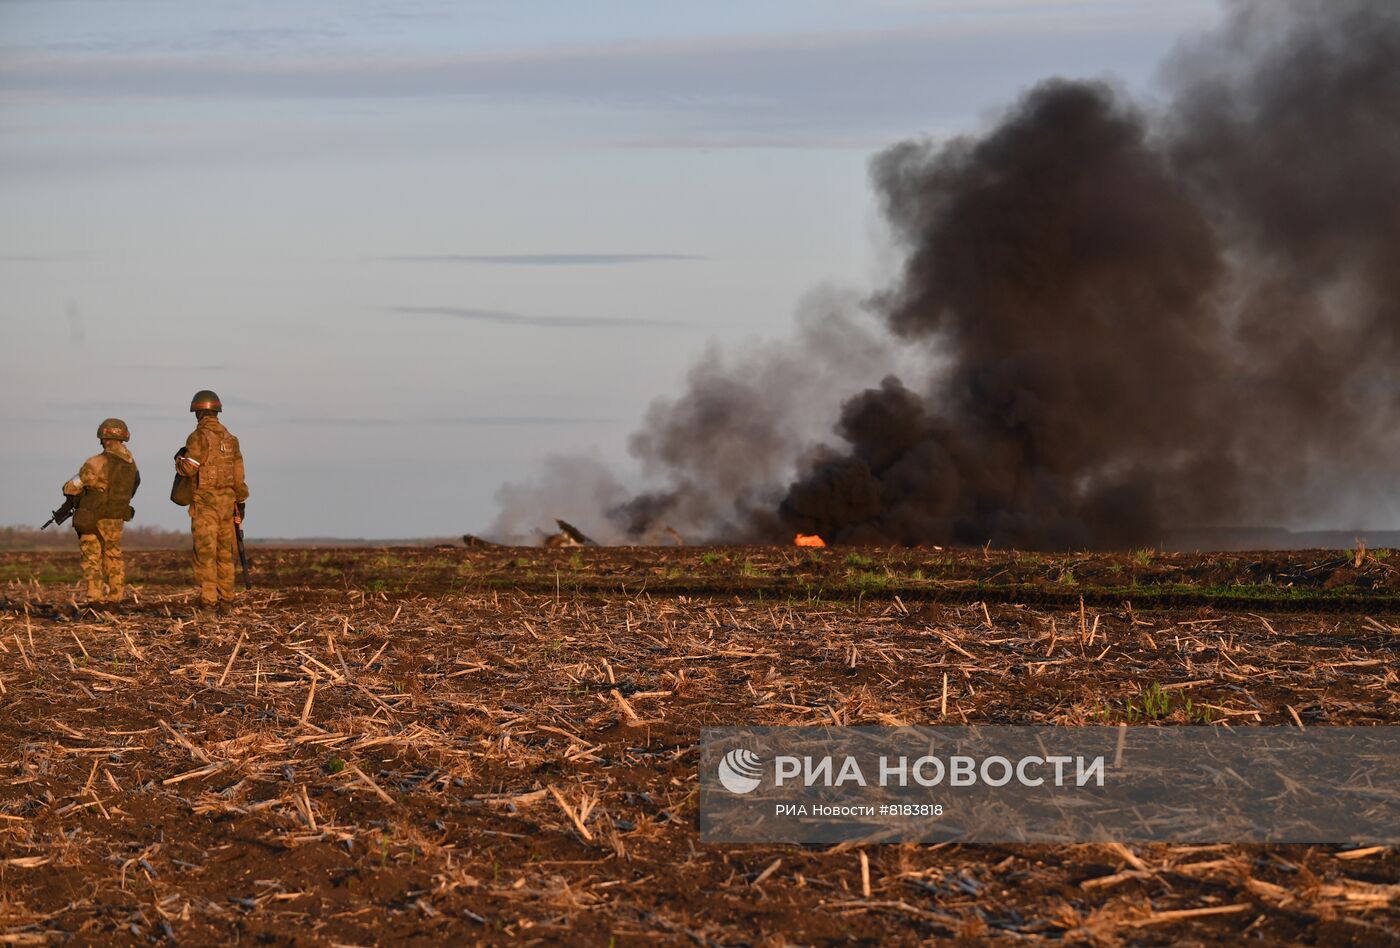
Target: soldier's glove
x: 239, y: 512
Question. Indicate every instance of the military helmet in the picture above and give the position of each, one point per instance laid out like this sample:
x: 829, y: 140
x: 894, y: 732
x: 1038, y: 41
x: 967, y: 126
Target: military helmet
x: 205, y: 400
x: 113, y: 429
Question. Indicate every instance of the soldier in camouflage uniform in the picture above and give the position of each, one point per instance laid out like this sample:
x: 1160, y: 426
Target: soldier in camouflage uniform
x: 214, y: 461
x: 104, y: 488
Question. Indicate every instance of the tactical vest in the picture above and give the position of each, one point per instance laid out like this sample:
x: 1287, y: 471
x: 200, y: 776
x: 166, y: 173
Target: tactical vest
x: 220, y: 452
x: 114, y: 503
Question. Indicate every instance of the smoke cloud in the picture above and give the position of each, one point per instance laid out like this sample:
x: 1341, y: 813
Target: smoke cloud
x: 1111, y: 319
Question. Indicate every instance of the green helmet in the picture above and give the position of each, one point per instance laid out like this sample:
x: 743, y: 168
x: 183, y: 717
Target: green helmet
x: 205, y: 400
x: 113, y: 429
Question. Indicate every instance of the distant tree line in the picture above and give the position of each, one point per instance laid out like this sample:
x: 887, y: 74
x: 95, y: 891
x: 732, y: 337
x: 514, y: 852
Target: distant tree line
x: 134, y: 538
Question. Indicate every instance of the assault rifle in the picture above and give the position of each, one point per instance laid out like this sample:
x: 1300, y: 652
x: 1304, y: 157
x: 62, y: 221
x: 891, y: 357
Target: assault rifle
x: 242, y: 553
x: 61, y: 515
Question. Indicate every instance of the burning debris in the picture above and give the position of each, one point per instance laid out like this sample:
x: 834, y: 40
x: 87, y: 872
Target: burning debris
x: 808, y: 539
x: 568, y: 536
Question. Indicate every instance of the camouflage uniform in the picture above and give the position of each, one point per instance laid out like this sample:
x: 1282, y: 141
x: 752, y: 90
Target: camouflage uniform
x: 215, y: 461
x: 100, y: 519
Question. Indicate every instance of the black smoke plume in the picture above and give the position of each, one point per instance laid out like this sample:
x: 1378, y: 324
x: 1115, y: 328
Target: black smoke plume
x: 1112, y: 319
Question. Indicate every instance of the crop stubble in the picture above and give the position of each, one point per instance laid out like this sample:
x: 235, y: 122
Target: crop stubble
x: 339, y: 765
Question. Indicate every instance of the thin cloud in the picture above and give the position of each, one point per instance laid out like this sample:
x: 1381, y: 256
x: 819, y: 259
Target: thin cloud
x: 171, y: 367
x: 501, y: 421
x: 519, y: 319
x: 762, y: 75
x: 837, y: 88
x: 545, y: 259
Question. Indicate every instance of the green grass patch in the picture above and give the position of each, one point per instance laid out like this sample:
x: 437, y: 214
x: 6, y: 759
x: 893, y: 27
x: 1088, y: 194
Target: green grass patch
x: 1152, y: 705
x: 48, y: 573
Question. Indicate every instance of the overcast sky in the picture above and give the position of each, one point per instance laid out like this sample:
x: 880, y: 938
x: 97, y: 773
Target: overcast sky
x: 417, y: 246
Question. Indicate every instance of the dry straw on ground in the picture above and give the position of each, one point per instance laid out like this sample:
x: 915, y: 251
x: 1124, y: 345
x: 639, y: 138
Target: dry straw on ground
x: 353, y: 767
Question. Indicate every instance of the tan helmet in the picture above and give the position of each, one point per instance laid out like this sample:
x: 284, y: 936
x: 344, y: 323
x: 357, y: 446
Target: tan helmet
x: 205, y: 400
x: 113, y: 429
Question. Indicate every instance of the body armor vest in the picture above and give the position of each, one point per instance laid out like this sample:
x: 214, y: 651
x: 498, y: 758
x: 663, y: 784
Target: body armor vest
x: 220, y: 451
x: 113, y: 503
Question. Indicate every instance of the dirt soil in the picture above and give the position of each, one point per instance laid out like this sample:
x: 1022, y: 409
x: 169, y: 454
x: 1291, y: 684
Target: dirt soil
x: 500, y: 746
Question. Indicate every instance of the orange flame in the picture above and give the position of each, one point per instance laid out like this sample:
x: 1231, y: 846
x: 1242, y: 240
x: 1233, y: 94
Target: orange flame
x: 809, y: 539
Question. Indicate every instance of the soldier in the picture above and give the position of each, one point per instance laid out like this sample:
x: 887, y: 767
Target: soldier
x: 213, y: 460
x: 104, y: 488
